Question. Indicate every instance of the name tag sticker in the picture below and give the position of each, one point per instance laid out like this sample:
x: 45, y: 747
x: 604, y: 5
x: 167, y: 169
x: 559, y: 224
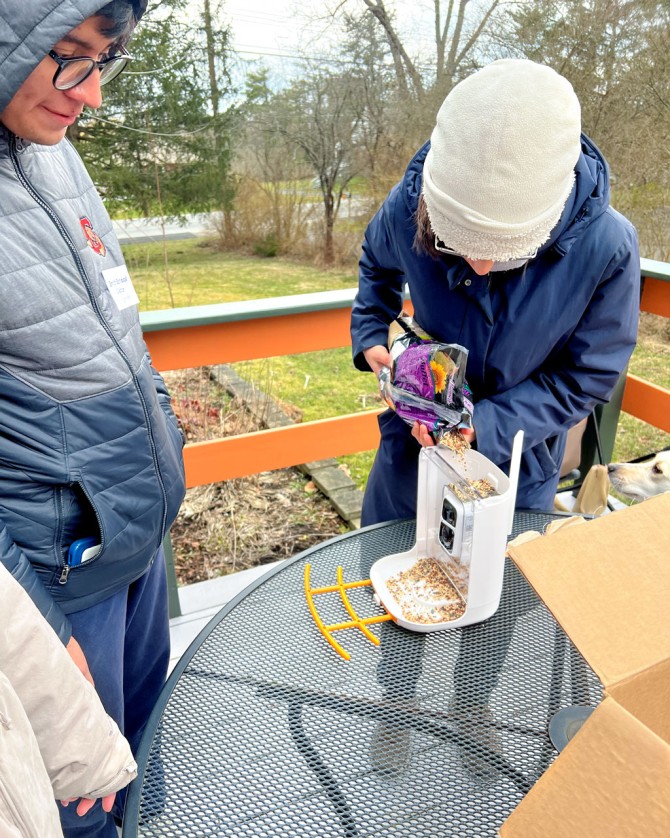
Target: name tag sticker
x: 121, y: 287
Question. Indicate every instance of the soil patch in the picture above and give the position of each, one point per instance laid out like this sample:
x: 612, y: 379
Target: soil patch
x: 225, y: 527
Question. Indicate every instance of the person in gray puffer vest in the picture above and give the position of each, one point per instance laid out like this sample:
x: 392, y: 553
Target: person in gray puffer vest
x: 91, y: 465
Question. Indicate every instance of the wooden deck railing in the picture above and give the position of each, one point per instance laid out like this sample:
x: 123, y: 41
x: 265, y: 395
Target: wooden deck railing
x: 229, y: 332
x: 641, y: 398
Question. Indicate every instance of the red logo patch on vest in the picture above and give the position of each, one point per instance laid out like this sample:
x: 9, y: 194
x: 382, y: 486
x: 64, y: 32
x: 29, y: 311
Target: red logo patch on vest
x: 92, y: 238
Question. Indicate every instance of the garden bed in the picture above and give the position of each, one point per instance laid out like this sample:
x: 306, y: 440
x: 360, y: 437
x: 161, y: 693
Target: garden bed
x: 225, y: 527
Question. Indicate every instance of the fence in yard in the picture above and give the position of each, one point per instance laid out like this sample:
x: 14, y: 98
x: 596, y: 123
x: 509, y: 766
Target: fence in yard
x: 221, y: 334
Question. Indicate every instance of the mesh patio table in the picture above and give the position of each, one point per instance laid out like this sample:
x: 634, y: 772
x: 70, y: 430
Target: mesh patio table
x: 264, y: 730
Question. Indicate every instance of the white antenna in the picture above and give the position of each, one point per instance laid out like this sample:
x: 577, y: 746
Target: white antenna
x: 514, y: 465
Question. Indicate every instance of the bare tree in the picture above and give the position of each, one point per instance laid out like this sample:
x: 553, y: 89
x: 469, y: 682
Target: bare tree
x: 320, y: 114
x: 271, y: 205
x: 388, y: 131
x: 615, y: 53
x: 461, y: 32
x: 458, y: 30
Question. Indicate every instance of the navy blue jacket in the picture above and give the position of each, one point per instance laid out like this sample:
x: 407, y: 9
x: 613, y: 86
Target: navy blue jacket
x: 546, y: 342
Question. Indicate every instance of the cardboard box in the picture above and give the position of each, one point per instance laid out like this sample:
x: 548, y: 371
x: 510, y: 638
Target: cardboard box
x: 607, y: 582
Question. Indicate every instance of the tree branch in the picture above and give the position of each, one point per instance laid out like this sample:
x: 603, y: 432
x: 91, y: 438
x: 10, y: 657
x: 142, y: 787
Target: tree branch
x: 404, y: 66
x: 478, y: 31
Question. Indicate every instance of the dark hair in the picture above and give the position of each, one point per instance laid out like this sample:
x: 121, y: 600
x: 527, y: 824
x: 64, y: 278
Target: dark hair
x: 424, y: 238
x: 122, y: 17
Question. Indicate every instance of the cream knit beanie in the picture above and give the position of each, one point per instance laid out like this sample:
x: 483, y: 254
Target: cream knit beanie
x: 501, y: 162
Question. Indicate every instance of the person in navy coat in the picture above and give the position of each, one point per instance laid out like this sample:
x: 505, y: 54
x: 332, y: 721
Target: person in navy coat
x: 503, y: 233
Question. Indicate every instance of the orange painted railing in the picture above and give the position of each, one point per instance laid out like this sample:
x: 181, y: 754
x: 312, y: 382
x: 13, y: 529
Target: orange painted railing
x: 641, y: 398
x: 230, y: 332
x: 259, y: 329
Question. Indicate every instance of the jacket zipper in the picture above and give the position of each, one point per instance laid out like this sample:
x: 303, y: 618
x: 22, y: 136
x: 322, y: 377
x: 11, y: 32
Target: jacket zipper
x: 65, y: 572
x: 23, y: 180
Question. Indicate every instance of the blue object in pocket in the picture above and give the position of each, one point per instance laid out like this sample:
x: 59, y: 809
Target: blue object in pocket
x: 82, y: 550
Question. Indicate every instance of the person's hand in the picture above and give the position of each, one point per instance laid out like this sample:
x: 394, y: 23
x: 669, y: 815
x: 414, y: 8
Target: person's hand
x: 468, y: 435
x: 377, y: 358
x: 87, y: 803
x: 75, y: 651
x: 422, y: 435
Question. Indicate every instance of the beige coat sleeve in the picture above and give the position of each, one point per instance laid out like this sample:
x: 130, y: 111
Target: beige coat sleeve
x: 27, y: 805
x: 83, y: 750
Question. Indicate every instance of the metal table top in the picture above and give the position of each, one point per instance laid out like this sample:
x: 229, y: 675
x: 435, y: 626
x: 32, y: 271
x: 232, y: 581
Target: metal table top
x: 264, y: 730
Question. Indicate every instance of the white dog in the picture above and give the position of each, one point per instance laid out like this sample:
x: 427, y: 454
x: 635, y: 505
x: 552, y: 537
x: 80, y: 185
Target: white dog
x: 642, y: 480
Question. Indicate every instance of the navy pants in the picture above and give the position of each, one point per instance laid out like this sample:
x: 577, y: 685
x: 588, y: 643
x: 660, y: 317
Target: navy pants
x: 126, y: 640
x: 390, y: 492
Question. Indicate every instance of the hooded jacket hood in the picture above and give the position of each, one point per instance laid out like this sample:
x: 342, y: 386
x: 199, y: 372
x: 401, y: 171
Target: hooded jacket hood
x: 28, y: 30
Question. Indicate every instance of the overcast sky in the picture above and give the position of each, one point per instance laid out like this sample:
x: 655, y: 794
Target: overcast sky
x: 261, y: 26
x: 276, y: 26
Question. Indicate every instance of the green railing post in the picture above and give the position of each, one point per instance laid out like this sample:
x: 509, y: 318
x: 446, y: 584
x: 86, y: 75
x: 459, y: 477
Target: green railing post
x: 606, y: 417
x: 173, y: 592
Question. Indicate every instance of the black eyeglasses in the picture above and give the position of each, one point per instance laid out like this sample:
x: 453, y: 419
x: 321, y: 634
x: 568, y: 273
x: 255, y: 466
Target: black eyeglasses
x: 74, y: 71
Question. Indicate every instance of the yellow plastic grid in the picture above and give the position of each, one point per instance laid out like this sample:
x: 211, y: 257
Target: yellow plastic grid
x: 361, y: 623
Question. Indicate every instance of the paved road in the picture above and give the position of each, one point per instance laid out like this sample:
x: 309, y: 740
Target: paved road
x: 141, y: 230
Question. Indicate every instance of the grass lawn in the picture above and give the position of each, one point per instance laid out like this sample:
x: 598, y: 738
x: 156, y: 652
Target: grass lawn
x: 198, y: 274
x: 322, y: 384
x: 651, y: 361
